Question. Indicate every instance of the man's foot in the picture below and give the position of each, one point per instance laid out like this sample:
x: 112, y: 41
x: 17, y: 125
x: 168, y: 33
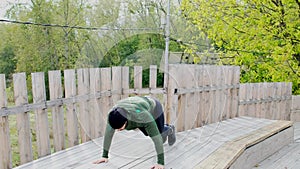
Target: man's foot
x: 171, y: 135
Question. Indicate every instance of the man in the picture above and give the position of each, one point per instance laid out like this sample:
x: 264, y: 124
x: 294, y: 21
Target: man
x: 144, y: 113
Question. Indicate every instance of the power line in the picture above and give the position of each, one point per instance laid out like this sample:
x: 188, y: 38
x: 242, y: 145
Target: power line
x: 73, y: 27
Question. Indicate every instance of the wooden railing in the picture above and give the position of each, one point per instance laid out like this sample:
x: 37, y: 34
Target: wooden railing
x: 80, y: 99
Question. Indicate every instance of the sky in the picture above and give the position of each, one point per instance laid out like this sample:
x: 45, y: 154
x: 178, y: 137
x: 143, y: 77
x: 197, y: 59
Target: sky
x: 6, y: 4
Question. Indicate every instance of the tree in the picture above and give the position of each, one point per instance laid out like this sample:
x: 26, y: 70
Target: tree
x: 261, y: 36
x: 43, y: 48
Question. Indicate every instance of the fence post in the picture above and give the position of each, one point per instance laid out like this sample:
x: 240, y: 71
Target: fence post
x: 71, y: 117
x: 236, y: 83
x: 153, y: 78
x: 125, y: 81
x: 138, y: 78
x: 5, y: 160
x: 84, y: 114
x: 55, y: 88
x: 289, y: 101
x: 95, y: 102
x: 23, y: 125
x: 116, y: 83
x: 41, y: 116
x: 106, y: 103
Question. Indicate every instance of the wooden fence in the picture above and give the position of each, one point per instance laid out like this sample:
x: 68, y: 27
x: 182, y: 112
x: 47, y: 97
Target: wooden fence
x: 266, y: 100
x: 295, y: 110
x: 202, y: 94
x: 80, y: 99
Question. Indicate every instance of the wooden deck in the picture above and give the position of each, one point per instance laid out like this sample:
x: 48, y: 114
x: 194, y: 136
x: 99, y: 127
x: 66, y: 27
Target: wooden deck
x: 287, y: 158
x: 196, y: 148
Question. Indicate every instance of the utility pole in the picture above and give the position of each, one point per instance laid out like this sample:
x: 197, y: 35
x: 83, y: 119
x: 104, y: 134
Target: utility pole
x: 166, y: 67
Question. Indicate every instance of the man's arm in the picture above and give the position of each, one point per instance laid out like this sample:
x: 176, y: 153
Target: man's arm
x: 109, y: 132
x: 153, y: 132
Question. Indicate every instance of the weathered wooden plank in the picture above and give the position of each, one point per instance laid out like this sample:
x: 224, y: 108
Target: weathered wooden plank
x: 261, y: 110
x: 106, y: 102
x: 138, y: 78
x: 285, y: 158
x: 264, y: 149
x: 195, y: 145
x: 55, y: 89
x: 227, y: 102
x: 71, y: 109
x: 23, y: 125
x: 84, y: 113
x: 153, y: 78
x: 180, y: 72
x: 125, y: 81
x: 219, y: 94
x: 116, y: 83
x: 172, y: 103
x: 288, y: 93
x: 95, y: 123
x: 235, y: 92
x: 206, y: 95
x: 6, y: 157
x: 190, y: 111
x: 230, y: 151
x: 213, y: 82
x: 41, y: 116
x: 199, y: 96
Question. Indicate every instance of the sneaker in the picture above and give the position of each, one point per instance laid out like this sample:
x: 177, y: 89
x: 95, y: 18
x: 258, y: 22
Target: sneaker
x: 165, y: 133
x: 171, y: 135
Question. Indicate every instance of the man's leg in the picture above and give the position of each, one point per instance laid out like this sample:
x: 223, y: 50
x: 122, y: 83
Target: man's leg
x: 167, y: 131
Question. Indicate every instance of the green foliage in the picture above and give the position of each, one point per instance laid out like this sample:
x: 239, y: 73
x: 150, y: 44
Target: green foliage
x: 261, y: 36
x: 7, y: 61
x: 141, y: 49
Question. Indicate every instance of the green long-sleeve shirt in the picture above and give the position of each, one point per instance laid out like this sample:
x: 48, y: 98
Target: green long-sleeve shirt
x: 139, y: 115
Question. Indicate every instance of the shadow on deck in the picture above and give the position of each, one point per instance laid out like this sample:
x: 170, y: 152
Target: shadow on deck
x: 232, y: 143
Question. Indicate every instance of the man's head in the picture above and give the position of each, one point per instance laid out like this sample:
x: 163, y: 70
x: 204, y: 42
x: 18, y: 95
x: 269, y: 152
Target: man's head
x: 117, y: 118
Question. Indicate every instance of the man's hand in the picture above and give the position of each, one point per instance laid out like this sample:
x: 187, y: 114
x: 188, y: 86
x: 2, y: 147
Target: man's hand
x: 102, y: 160
x: 158, y: 166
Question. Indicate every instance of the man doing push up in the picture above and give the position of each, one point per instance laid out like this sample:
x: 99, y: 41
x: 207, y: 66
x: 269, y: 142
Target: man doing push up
x: 144, y: 113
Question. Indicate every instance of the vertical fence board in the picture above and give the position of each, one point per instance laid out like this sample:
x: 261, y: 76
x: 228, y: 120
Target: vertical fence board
x: 84, y: 113
x: 125, y: 81
x: 5, y: 160
x: 181, y: 99
x: 95, y: 124
x: 222, y: 93
x: 251, y: 93
x: 41, y: 115
x: 242, y: 96
x: 153, y: 78
x: 138, y: 78
x: 277, y: 107
x: 23, y: 124
x: 207, y: 106
x: 55, y: 89
x: 213, y: 93
x: 71, y: 116
x: 288, y: 95
x: 228, y: 82
x: 199, y: 95
x: 295, y: 108
x: 190, y: 112
x: 116, y: 84
x: 260, y: 94
x: 235, y: 100
x: 106, y: 103
x: 172, y: 114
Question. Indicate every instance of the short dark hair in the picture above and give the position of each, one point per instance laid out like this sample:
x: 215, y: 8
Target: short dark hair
x: 117, y: 117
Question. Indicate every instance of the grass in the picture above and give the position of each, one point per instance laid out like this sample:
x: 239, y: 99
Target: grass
x: 14, y: 137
